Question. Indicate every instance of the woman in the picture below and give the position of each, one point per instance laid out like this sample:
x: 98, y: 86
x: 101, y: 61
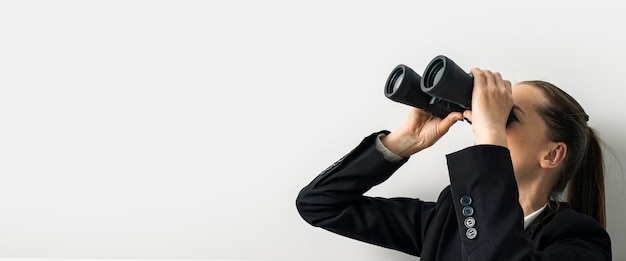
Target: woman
x: 501, y: 202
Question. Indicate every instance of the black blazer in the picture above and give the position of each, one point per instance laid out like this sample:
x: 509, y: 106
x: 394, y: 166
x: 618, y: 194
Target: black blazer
x: 477, y: 217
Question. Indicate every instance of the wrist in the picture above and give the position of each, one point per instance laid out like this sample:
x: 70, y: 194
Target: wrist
x: 491, y: 136
x: 401, y: 145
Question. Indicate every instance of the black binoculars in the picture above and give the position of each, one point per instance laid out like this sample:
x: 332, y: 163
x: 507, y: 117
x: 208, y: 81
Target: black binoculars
x: 445, y: 87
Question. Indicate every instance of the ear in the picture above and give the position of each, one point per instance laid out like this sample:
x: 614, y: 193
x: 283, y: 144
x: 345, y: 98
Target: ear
x: 555, y: 155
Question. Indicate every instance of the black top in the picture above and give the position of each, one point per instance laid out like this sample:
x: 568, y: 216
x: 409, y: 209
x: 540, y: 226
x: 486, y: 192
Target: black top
x: 477, y: 217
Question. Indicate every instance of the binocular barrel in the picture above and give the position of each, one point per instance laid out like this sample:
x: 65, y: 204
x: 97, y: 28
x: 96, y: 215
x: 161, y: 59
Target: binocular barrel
x: 445, y: 87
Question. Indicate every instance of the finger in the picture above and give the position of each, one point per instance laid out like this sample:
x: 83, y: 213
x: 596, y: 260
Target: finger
x: 453, y: 117
x: 499, y: 80
x: 479, y: 77
x: 490, y: 79
x: 467, y: 115
x: 418, y: 113
x: 508, y: 86
x: 417, y: 116
x: 448, y: 121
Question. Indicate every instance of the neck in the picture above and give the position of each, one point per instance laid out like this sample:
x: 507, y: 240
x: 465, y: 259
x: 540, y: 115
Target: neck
x: 532, y: 198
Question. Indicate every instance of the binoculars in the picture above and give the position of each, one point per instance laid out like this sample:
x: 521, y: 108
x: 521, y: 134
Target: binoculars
x: 445, y: 87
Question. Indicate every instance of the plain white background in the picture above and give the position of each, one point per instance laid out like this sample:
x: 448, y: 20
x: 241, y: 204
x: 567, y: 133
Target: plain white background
x: 185, y: 129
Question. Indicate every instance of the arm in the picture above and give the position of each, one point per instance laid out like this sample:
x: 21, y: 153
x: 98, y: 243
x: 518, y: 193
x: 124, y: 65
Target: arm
x: 334, y: 201
x: 485, y: 173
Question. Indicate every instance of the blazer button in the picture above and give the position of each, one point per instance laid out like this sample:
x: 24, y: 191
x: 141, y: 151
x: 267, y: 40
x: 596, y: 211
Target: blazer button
x: 471, y: 233
x: 466, y: 200
x: 468, y: 211
x: 470, y: 222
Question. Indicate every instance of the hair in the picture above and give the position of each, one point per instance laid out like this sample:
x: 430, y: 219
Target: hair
x: 583, y: 166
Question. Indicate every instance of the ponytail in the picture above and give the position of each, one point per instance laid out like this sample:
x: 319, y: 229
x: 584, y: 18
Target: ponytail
x: 586, y: 188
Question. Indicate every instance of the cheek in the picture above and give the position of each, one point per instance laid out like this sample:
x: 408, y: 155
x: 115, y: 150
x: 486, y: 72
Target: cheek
x: 522, y: 148
x: 522, y: 160
x: 525, y: 149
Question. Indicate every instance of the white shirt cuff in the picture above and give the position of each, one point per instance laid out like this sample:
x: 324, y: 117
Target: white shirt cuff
x: 387, y: 154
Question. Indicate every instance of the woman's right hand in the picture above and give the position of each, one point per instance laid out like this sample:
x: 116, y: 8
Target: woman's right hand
x: 421, y: 130
x: 492, y: 101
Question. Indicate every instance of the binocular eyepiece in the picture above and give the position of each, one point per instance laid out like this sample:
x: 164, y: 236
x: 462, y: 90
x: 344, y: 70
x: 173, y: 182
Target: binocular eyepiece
x: 445, y: 87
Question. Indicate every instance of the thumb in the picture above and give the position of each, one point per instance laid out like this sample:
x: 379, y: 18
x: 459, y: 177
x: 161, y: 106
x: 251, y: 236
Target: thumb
x: 468, y: 115
x: 449, y: 120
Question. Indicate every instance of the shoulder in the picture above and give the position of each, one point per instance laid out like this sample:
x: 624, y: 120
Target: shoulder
x: 569, y: 228
x: 572, y: 221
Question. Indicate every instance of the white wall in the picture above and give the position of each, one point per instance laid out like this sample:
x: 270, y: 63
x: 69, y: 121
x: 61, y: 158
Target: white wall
x: 185, y: 129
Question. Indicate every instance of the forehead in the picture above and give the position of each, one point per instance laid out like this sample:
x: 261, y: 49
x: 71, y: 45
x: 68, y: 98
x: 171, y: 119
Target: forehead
x: 527, y: 96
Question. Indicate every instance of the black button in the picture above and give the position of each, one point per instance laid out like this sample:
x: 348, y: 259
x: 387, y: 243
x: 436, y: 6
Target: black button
x: 468, y: 211
x: 466, y: 200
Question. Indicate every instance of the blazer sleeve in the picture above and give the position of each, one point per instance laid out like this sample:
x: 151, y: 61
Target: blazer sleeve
x: 484, y: 189
x: 334, y: 201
